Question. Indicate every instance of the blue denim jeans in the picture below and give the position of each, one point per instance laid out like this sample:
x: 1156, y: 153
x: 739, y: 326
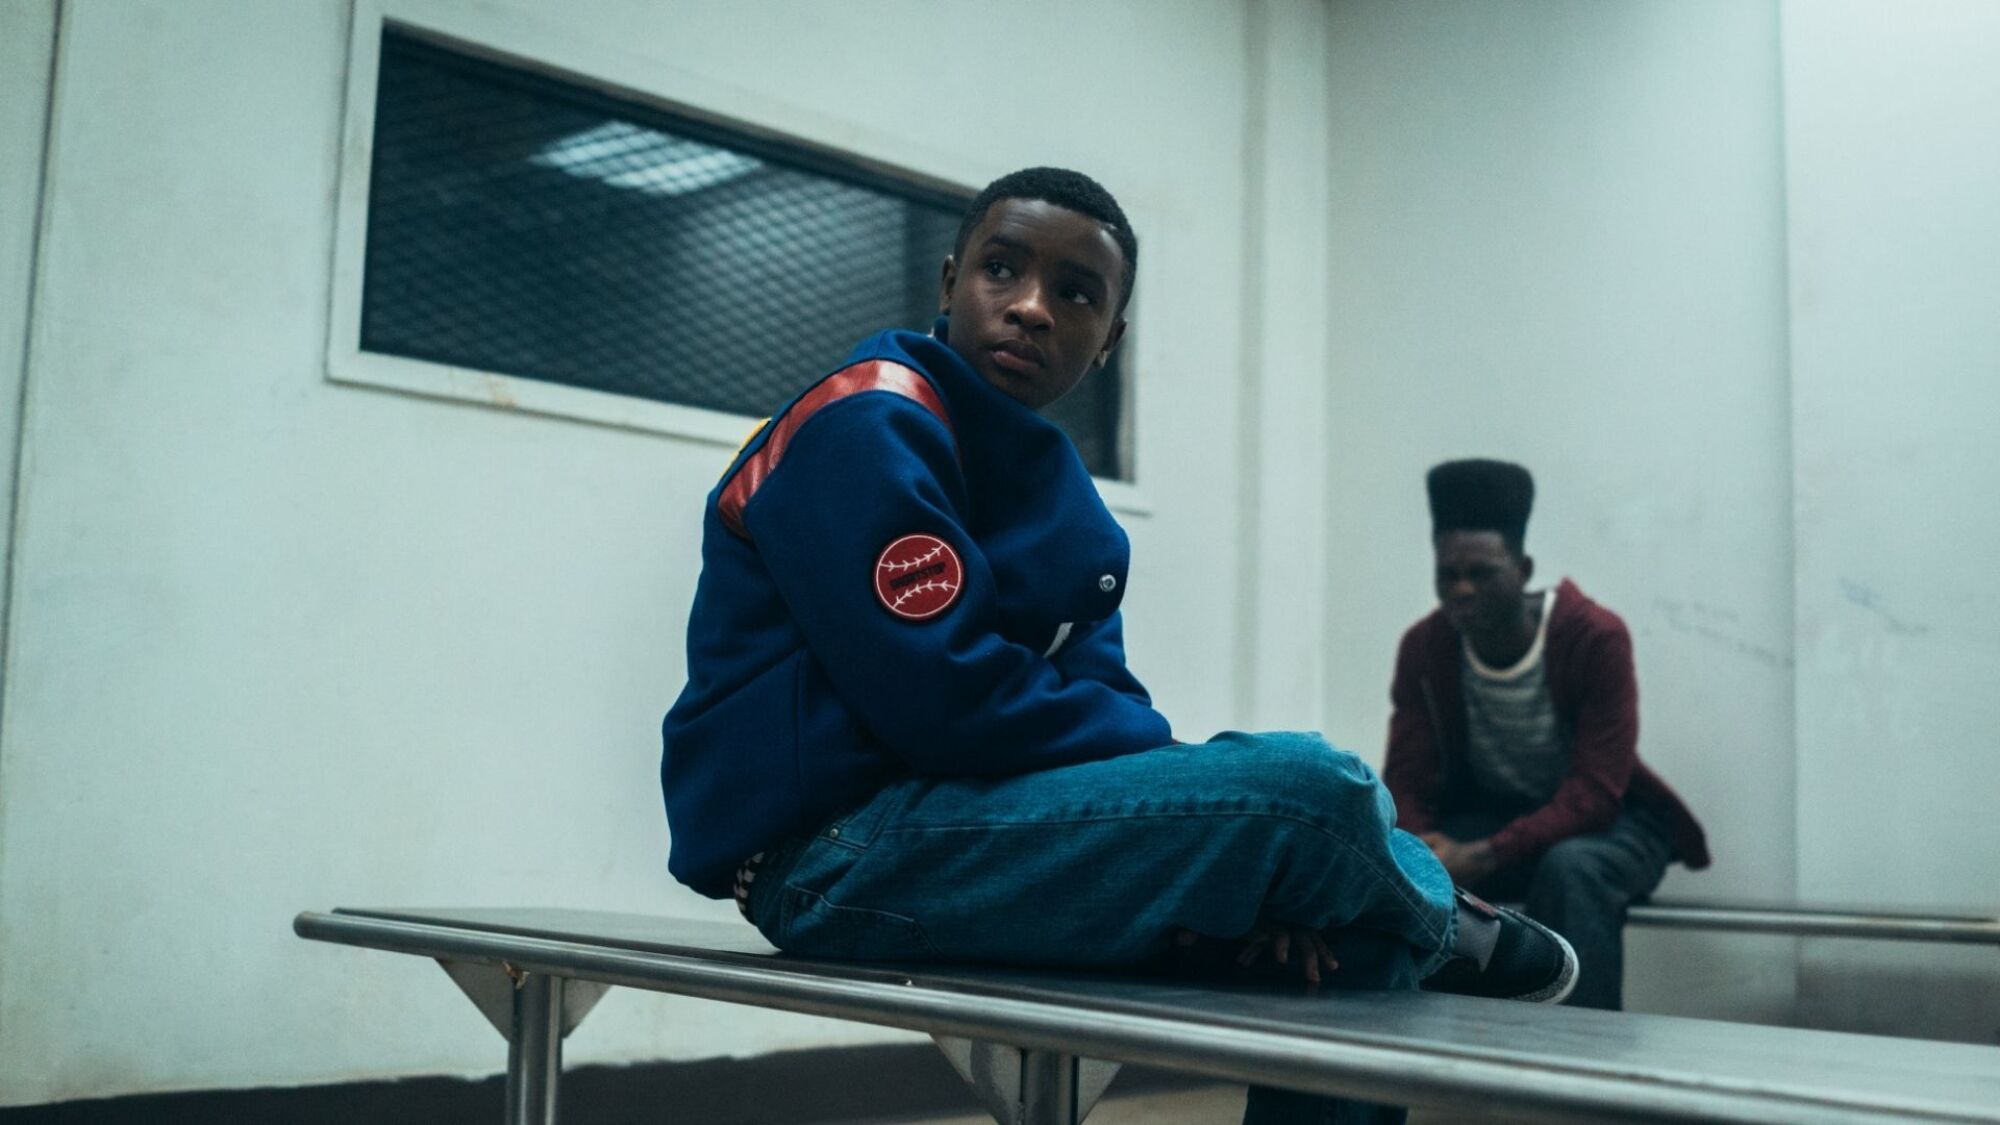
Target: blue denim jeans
x: 1097, y: 865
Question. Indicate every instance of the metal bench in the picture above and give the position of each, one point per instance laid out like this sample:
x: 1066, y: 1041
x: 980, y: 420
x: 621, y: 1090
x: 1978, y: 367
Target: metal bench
x: 1038, y: 1048
x: 1818, y: 921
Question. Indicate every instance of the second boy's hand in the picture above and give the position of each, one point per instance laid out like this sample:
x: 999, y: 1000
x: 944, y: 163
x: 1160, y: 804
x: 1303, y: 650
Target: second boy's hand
x: 1466, y: 861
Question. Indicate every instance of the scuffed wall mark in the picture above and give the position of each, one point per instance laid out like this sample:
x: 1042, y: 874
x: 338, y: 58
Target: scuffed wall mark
x: 1719, y: 627
x: 1702, y: 611
x: 496, y: 391
x: 1864, y: 596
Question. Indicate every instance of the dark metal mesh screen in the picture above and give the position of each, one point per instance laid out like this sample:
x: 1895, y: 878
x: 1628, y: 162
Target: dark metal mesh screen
x: 528, y: 226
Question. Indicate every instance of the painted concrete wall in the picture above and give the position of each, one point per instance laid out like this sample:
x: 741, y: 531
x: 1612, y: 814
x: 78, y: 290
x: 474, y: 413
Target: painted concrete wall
x: 27, y: 49
x: 1891, y: 112
x: 1558, y: 238
x: 1281, y: 600
x: 1724, y: 275
x: 281, y: 643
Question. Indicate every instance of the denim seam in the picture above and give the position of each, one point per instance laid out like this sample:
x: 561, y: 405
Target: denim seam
x: 1442, y: 933
x: 856, y: 915
x: 1043, y: 822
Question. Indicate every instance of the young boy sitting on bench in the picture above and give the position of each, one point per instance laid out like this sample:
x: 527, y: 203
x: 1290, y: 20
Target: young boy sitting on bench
x: 909, y: 733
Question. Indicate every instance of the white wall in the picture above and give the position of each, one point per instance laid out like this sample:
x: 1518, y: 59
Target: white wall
x: 1724, y: 274
x: 1558, y: 238
x: 280, y: 643
x: 1892, y: 120
x: 1281, y: 600
x: 27, y: 49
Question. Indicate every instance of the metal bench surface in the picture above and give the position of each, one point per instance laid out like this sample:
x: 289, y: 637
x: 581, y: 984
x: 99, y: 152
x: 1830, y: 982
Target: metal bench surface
x: 1441, y: 1052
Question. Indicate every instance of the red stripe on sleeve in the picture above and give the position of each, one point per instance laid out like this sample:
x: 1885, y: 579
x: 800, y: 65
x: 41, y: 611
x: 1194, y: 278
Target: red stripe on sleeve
x: 869, y: 375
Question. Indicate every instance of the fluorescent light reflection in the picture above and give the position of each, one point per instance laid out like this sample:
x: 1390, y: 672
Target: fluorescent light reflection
x: 627, y: 156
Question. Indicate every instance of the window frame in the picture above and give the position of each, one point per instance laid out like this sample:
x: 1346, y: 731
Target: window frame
x: 531, y: 44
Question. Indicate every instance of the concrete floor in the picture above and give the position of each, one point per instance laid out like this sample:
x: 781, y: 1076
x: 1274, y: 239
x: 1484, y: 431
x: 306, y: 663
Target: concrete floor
x: 1209, y: 1105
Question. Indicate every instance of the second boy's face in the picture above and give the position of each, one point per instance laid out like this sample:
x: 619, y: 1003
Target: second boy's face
x: 1480, y: 582
x: 1033, y: 305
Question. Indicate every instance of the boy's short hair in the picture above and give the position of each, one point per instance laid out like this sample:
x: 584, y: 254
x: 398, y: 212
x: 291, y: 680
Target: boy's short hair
x: 1064, y: 188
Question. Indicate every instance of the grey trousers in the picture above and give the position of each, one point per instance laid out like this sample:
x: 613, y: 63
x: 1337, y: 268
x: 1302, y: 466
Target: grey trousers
x: 1581, y: 888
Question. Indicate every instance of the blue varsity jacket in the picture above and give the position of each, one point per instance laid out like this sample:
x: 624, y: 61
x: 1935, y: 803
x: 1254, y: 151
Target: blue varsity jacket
x: 904, y: 572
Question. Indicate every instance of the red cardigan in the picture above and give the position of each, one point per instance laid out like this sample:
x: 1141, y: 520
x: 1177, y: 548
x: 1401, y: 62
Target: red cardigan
x: 1588, y: 660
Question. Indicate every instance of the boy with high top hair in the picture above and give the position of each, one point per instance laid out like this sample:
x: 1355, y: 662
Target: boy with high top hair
x: 1513, y: 750
x: 909, y: 732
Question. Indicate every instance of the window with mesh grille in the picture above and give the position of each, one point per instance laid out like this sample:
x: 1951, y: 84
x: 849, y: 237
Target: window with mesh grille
x: 528, y: 226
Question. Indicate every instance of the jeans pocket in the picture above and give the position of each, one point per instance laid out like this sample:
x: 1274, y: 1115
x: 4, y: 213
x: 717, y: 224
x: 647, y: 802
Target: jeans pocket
x: 857, y: 828
x: 813, y: 927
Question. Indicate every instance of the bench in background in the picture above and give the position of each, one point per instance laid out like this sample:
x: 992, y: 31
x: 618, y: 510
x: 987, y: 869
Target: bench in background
x: 1818, y: 921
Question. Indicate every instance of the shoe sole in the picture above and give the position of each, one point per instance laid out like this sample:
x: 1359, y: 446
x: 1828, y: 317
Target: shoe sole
x: 1557, y: 990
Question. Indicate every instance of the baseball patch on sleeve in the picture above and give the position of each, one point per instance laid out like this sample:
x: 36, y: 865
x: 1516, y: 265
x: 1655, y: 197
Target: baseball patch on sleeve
x: 918, y: 577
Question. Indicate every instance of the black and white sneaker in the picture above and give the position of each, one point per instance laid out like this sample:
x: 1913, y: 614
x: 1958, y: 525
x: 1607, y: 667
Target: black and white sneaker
x: 1506, y: 955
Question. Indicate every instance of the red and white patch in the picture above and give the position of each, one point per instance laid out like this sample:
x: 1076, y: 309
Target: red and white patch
x: 918, y: 577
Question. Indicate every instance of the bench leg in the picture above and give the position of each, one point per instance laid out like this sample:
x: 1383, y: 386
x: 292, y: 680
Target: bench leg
x: 1020, y: 1087
x: 534, y: 1050
x: 1048, y: 1089
x: 534, y: 1013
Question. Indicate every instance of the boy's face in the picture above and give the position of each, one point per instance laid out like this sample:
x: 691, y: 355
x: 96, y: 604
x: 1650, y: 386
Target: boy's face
x: 1481, y: 583
x: 1034, y: 303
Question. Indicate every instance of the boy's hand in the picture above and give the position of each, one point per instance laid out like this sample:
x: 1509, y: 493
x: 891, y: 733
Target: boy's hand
x: 1285, y: 945
x: 1465, y: 862
x: 1282, y: 941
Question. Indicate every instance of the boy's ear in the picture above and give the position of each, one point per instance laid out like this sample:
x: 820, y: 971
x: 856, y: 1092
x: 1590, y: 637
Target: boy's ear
x: 1116, y: 334
x: 947, y: 277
